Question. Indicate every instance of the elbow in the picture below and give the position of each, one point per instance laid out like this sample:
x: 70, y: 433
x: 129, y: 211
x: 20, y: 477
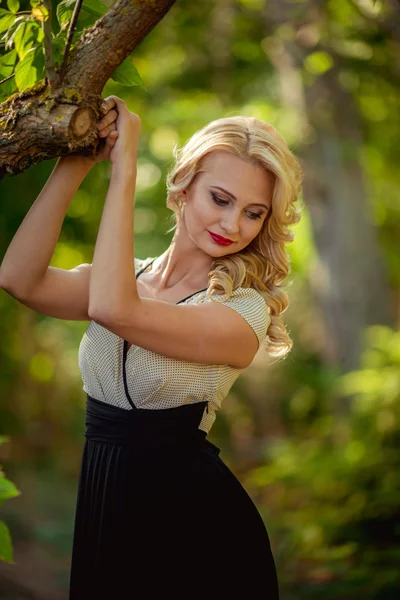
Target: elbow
x: 99, y: 315
x: 6, y: 286
x: 106, y: 317
x: 12, y: 288
x: 93, y: 314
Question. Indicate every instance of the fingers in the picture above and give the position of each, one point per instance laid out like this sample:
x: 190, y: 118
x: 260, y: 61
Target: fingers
x: 109, y: 118
x: 106, y: 130
x: 120, y: 108
x: 112, y: 137
x: 115, y: 101
x: 108, y: 103
x: 112, y: 102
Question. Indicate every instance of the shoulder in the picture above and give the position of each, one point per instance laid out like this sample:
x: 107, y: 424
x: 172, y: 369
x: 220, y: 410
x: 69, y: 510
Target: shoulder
x: 249, y: 293
x: 251, y: 305
x: 245, y: 295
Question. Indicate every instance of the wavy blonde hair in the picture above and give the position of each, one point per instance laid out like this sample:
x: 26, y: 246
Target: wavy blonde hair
x: 264, y: 263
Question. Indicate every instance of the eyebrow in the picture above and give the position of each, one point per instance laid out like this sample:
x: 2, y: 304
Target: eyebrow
x: 234, y: 197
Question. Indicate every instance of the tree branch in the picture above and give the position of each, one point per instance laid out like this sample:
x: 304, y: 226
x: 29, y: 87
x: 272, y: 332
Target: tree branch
x: 7, y: 78
x: 42, y: 122
x: 48, y: 47
x: 71, y: 30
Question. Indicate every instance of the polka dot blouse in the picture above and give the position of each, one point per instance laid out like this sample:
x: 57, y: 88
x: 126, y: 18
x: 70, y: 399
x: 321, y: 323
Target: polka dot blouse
x: 155, y: 381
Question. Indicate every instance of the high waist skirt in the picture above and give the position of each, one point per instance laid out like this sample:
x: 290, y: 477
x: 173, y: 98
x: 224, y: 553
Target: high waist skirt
x: 160, y: 514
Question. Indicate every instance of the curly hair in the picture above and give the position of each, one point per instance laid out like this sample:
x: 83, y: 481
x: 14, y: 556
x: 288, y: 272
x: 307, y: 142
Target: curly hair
x: 264, y: 263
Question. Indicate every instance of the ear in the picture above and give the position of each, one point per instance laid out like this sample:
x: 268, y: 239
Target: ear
x: 182, y: 196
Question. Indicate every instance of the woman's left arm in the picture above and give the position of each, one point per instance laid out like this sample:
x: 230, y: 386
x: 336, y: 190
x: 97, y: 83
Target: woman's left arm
x: 112, y: 281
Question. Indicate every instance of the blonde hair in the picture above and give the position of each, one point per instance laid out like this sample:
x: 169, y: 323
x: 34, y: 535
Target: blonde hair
x: 264, y: 263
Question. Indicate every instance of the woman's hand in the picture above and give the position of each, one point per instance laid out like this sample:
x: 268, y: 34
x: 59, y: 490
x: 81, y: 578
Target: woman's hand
x: 107, y: 129
x: 124, y: 150
x: 121, y: 129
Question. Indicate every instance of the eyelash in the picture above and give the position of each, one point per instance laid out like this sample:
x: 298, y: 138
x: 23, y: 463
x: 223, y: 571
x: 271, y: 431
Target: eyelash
x: 219, y: 202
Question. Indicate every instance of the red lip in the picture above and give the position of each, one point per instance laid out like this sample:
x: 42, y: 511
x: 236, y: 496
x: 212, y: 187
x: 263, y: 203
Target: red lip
x: 219, y: 239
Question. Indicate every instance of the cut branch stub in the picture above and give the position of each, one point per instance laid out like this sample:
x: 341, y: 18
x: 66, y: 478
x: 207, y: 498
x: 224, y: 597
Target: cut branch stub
x: 40, y: 132
x: 81, y: 122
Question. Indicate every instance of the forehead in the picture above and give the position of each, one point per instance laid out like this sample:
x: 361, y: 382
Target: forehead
x: 246, y: 181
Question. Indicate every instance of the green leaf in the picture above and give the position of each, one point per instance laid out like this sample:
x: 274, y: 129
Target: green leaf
x: 7, y: 489
x: 13, y: 5
x: 90, y: 12
x: 92, y: 8
x: 6, y: 550
x: 58, y: 44
x: 40, y: 33
x: 8, y: 37
x: 6, y: 19
x: 95, y: 7
x: 318, y: 62
x: 59, y: 41
x: 24, y: 72
x: 7, y: 65
x: 64, y: 12
x: 127, y: 73
x: 30, y: 69
x: 8, y: 88
x: 25, y: 37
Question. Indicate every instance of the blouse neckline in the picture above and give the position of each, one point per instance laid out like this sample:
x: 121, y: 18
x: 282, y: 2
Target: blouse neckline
x: 180, y: 301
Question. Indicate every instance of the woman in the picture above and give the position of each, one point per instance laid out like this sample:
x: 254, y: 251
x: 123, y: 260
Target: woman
x: 158, y: 511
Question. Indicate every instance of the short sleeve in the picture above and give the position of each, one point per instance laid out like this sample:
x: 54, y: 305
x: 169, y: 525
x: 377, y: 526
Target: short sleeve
x: 141, y: 262
x: 249, y: 303
x: 138, y: 263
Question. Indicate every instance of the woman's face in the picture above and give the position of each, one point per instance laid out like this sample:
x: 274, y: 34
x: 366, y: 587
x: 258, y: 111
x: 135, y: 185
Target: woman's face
x: 230, y: 198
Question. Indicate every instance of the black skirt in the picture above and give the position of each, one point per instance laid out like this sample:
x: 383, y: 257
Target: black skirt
x: 160, y: 514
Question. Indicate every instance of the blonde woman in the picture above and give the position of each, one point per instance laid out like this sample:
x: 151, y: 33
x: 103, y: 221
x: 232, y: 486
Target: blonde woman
x: 158, y: 511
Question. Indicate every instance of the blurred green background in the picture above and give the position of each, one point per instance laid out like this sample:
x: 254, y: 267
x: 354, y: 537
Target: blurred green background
x: 314, y: 438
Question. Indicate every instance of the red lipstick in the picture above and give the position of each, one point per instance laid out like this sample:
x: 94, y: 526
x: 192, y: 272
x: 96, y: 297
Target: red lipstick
x: 219, y: 239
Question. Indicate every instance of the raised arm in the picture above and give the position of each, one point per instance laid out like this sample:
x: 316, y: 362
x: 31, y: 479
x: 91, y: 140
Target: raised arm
x: 28, y: 256
x: 25, y: 272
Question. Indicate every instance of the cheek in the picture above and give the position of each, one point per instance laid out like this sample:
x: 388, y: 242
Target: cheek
x: 203, y: 212
x: 253, y: 229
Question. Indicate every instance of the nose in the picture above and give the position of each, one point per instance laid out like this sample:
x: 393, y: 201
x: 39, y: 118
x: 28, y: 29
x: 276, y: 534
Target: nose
x: 230, y: 225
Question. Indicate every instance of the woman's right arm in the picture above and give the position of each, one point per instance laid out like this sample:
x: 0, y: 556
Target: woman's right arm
x: 25, y: 272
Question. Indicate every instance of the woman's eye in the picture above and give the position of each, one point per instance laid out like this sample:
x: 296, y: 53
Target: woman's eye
x: 221, y: 202
x: 218, y: 200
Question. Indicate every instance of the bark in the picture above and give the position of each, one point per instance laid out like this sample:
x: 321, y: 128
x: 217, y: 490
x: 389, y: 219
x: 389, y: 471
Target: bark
x: 350, y: 280
x: 41, y: 123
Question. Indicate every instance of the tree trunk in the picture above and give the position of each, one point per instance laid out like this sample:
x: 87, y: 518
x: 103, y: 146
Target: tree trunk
x: 39, y: 123
x: 349, y: 282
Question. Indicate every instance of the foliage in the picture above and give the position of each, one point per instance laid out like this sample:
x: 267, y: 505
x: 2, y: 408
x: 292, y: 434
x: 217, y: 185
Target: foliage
x: 23, y: 40
x: 7, y: 491
x: 337, y: 485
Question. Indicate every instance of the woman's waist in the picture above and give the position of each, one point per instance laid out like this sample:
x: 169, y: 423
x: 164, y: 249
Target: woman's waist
x: 145, y: 427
